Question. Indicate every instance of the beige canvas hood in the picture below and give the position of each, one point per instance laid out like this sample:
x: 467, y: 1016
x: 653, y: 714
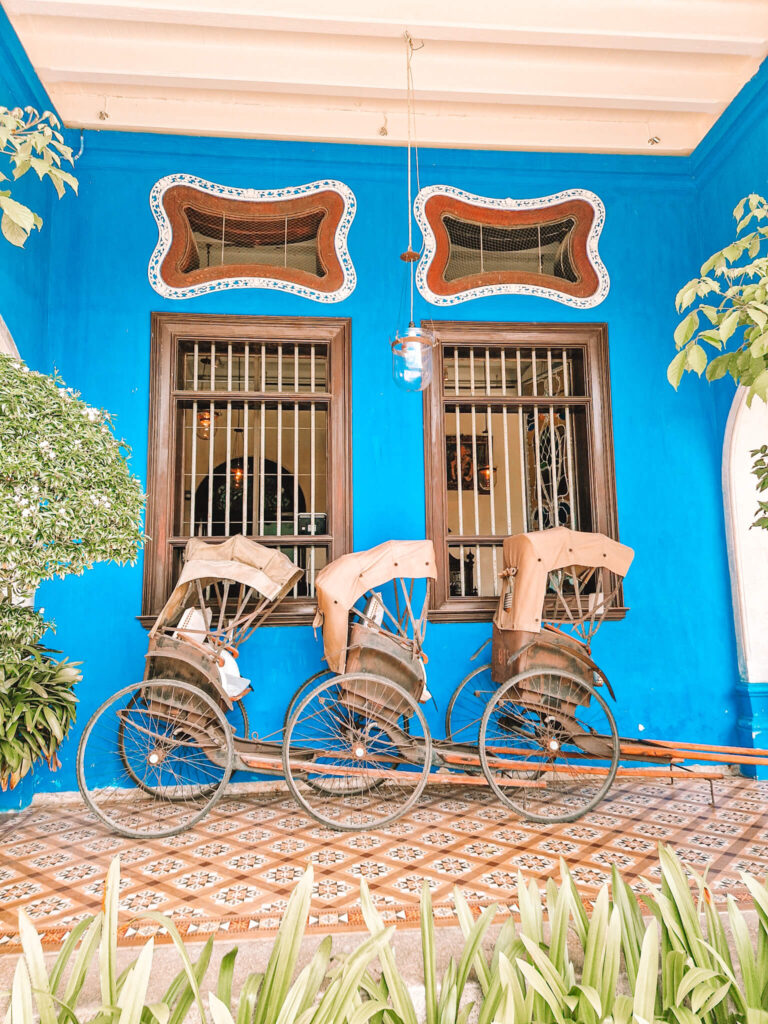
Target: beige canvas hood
x: 343, y: 582
x: 535, y: 555
x: 238, y: 559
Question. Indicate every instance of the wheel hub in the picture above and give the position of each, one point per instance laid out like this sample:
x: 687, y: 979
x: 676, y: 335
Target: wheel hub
x: 155, y: 757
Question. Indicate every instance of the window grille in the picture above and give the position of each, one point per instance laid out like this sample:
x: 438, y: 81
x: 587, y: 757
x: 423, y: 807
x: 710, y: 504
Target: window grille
x: 517, y: 440
x: 259, y: 439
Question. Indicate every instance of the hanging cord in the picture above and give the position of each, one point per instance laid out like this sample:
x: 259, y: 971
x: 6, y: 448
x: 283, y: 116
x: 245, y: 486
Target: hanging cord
x: 410, y: 256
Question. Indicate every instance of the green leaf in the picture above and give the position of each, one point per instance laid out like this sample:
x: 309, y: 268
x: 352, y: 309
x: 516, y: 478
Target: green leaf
x: 697, y: 359
x: 219, y: 1011
x: 644, y: 1002
x: 676, y: 368
x: 719, y: 366
x: 15, y: 235
x: 38, y: 975
x: 686, y: 328
x: 729, y: 324
x: 18, y: 213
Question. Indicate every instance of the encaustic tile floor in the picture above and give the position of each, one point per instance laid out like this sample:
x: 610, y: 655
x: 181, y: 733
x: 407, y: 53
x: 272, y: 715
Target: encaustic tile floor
x: 231, y: 875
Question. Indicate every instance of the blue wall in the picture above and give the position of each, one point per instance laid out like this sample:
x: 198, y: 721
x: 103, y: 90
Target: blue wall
x: 672, y: 661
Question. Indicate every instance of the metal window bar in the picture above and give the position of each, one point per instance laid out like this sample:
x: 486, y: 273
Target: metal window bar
x: 211, y: 439
x: 554, y: 482
x: 228, y: 481
x: 572, y: 484
x: 537, y: 441
x: 262, y: 440
x: 246, y: 356
x: 295, y: 458
x: 312, y: 469
x: 505, y: 435
x: 193, y: 459
x: 475, y: 493
x: 521, y: 416
x: 489, y: 432
x: 279, y: 458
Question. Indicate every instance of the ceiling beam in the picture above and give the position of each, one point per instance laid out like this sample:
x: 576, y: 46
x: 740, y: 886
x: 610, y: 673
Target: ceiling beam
x: 286, y: 116
x: 738, y: 26
x: 235, y: 60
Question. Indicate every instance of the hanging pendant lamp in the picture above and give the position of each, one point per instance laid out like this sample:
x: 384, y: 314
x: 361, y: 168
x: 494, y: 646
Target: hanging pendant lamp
x: 411, y: 349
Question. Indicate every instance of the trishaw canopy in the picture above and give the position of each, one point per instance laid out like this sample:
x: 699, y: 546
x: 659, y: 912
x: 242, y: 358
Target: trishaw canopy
x: 343, y: 582
x: 238, y: 559
x: 534, y: 555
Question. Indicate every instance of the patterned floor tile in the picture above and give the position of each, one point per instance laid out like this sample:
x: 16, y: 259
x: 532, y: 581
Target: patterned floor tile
x: 232, y: 873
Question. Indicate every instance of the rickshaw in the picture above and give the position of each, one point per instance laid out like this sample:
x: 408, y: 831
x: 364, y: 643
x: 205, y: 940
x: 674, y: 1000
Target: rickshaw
x: 356, y: 750
x: 539, y: 701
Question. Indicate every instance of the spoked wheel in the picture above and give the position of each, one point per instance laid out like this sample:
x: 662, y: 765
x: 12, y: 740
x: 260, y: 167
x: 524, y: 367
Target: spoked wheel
x: 303, y: 690
x: 237, y: 719
x: 467, y: 704
x: 549, y: 746
x: 155, y: 758
x: 357, y: 752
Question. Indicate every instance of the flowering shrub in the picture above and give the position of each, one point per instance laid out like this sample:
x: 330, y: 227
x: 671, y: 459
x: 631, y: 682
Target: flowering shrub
x: 67, y: 500
x: 67, y: 496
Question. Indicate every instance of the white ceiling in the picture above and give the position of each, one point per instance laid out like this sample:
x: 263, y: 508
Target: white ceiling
x: 579, y: 75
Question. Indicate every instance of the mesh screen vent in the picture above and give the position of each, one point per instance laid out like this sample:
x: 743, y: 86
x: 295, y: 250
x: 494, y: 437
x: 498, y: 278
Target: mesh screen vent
x: 543, y: 249
x: 221, y: 241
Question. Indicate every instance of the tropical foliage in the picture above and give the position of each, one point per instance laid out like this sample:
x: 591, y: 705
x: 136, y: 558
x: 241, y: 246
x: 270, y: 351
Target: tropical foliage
x: 32, y: 142
x: 664, y: 958
x: 728, y: 305
x: 37, y: 709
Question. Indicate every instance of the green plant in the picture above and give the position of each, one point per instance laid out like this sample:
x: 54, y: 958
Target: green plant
x: 760, y: 469
x: 729, y: 314
x: 67, y: 496
x: 323, y: 992
x: 37, y: 709
x: 678, y: 966
x: 32, y: 142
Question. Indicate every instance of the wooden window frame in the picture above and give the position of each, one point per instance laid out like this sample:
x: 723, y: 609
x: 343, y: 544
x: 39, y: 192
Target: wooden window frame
x: 168, y: 329
x: 592, y: 340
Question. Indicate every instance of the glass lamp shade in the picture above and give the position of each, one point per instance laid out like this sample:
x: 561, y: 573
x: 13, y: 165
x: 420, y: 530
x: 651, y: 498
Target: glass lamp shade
x: 412, y: 358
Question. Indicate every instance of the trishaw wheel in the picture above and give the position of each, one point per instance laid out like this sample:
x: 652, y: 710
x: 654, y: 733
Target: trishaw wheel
x: 365, y: 729
x: 302, y: 691
x: 467, y: 704
x: 549, y: 746
x: 237, y: 718
x: 155, y: 758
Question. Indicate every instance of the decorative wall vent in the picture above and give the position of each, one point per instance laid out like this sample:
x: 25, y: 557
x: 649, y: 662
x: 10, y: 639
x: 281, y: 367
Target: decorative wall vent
x: 475, y: 246
x: 213, y: 237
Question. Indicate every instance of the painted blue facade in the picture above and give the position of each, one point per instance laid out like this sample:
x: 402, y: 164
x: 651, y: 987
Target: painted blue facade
x: 672, y: 660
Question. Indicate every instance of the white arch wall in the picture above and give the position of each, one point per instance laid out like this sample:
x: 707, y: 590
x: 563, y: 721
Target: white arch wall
x: 747, y: 549
x: 748, y: 558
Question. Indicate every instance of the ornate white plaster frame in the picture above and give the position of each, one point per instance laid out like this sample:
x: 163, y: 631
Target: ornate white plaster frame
x: 543, y: 202
x: 747, y: 548
x: 250, y: 195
